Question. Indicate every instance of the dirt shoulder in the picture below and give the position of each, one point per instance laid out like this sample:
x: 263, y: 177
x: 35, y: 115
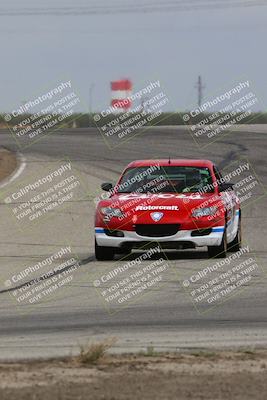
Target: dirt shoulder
x: 221, y: 375
x: 8, y: 163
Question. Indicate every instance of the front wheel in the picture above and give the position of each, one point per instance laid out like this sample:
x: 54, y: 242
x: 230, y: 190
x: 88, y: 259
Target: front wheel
x: 103, y: 253
x: 221, y: 250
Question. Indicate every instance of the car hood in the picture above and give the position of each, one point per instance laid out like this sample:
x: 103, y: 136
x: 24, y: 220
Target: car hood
x: 136, y: 200
x: 173, y: 207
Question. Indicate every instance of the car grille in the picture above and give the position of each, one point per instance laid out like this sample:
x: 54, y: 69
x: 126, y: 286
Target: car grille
x: 156, y: 230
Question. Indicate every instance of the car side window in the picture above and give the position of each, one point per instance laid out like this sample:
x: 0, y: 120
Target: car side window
x: 217, y: 174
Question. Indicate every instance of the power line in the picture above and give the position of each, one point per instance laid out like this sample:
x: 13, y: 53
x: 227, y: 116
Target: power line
x: 169, y: 6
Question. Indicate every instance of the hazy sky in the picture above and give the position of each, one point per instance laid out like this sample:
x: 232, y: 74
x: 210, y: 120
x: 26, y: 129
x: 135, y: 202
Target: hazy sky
x: 43, y: 41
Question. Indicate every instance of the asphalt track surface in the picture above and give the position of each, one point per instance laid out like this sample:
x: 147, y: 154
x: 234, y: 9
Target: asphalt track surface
x: 165, y: 317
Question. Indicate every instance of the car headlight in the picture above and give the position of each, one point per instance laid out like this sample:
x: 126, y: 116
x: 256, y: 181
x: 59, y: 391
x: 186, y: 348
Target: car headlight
x: 111, y: 212
x: 204, y: 212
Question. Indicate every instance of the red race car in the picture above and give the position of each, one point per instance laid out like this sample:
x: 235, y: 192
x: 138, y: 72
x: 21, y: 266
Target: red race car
x: 178, y: 204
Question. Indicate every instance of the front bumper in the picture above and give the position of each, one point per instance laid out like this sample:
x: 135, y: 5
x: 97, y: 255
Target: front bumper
x: 131, y: 238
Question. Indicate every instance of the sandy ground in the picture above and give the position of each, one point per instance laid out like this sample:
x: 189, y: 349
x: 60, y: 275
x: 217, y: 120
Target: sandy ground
x: 8, y: 163
x: 223, y: 375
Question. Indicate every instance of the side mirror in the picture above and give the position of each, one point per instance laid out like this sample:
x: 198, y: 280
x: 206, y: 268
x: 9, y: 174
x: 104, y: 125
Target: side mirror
x: 106, y: 186
x: 223, y: 187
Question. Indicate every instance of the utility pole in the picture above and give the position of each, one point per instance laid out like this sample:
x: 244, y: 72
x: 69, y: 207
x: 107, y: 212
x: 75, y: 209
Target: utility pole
x: 143, y: 103
x: 200, y: 88
x: 91, y: 88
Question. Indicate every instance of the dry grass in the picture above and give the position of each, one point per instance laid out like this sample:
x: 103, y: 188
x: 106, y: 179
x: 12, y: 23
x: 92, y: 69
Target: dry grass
x: 91, y: 353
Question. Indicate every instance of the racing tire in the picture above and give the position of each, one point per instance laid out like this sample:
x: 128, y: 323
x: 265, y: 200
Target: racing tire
x: 103, y: 253
x: 235, y: 245
x: 221, y: 250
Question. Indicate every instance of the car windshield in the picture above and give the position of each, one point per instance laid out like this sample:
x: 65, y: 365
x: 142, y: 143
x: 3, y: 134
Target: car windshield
x: 167, y: 179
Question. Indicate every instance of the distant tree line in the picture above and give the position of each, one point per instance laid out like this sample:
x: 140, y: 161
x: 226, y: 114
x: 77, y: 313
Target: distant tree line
x: 83, y: 120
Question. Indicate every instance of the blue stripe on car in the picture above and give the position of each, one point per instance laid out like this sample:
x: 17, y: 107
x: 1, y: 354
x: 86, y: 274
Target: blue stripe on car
x: 99, y: 230
x: 219, y: 229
